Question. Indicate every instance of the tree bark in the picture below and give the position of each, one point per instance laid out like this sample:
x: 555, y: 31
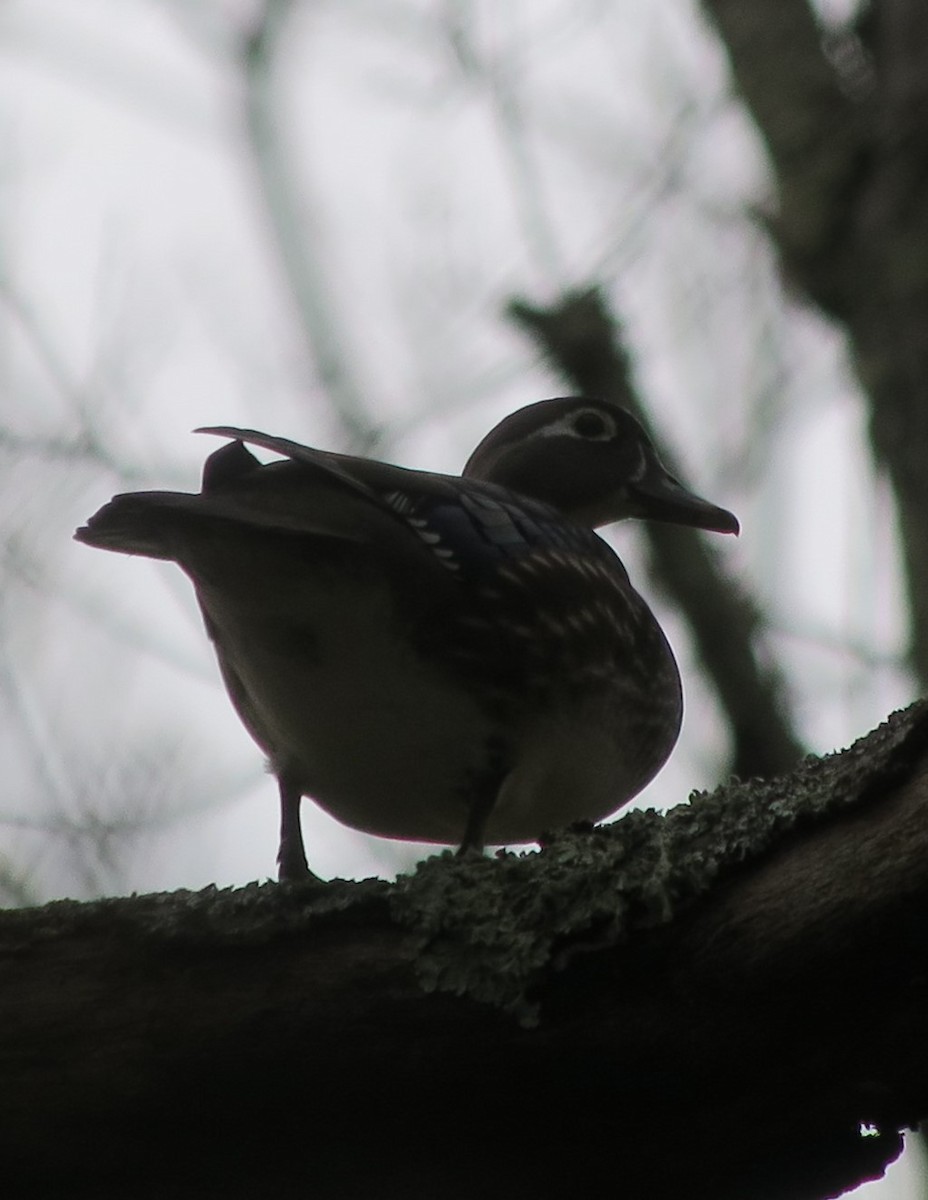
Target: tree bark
x: 712, y: 1001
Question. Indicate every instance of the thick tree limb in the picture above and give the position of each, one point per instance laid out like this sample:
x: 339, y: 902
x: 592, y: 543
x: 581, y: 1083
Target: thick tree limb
x: 581, y: 337
x: 815, y: 133
x: 719, y: 996
x: 851, y: 174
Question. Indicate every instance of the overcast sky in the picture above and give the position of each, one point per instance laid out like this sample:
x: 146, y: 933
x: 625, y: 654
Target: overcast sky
x: 437, y: 158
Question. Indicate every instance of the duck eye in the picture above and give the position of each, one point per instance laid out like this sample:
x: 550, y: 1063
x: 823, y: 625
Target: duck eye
x: 592, y: 425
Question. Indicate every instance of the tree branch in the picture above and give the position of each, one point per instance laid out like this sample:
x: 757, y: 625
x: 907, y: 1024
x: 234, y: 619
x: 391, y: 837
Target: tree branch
x: 747, y: 971
x: 582, y: 338
x: 816, y: 135
x: 295, y: 231
x: 851, y: 174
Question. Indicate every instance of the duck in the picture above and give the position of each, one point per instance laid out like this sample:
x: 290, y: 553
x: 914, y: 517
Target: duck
x: 459, y: 660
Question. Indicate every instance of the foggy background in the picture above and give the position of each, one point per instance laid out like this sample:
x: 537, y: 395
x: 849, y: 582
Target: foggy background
x: 310, y: 218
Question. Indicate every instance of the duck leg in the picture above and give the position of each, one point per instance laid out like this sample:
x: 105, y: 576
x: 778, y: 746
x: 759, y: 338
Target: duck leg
x: 484, y: 792
x: 474, y: 838
x: 291, y: 856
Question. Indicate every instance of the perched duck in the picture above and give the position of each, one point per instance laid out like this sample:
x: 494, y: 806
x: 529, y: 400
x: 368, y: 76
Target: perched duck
x: 433, y: 657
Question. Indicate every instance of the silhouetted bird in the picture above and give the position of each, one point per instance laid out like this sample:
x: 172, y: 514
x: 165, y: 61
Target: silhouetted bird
x: 429, y: 657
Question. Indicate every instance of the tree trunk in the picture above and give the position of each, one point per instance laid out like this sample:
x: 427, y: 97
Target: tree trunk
x: 849, y: 154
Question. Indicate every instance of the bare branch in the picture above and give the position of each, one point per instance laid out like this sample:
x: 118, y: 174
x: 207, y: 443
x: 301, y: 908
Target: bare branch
x: 582, y: 338
x: 852, y: 222
x: 817, y: 135
x: 296, y: 230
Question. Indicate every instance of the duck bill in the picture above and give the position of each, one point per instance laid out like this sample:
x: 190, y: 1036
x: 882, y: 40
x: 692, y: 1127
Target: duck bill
x: 661, y: 498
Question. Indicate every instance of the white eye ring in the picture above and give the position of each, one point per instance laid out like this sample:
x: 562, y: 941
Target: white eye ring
x: 567, y: 426
x: 600, y: 426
